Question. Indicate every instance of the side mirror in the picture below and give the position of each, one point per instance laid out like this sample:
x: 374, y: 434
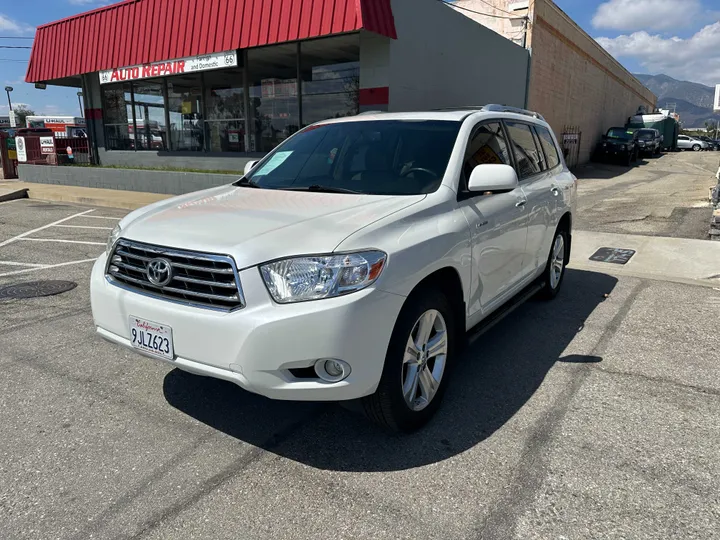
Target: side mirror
x: 493, y: 177
x: 249, y: 166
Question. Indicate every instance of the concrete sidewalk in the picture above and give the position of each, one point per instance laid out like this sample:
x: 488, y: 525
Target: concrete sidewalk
x: 679, y: 260
x: 112, y: 198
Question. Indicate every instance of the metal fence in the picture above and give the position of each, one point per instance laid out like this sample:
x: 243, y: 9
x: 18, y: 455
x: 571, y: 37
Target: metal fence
x: 571, y: 139
x: 61, y: 151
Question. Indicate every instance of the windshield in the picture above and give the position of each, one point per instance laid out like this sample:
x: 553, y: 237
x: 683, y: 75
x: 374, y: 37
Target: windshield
x: 619, y: 133
x: 646, y: 135
x: 379, y: 157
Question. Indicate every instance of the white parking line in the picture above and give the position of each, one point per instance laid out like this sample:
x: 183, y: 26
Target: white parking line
x: 16, y: 272
x: 104, y: 217
x: 84, y: 227
x: 60, y: 241
x: 13, y: 263
x: 28, y: 233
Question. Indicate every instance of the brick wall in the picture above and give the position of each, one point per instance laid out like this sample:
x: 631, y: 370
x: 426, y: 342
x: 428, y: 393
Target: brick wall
x: 575, y: 82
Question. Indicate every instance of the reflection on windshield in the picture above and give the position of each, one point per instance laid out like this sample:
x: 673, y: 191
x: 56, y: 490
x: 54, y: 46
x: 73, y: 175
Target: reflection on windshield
x: 380, y: 157
x: 619, y: 133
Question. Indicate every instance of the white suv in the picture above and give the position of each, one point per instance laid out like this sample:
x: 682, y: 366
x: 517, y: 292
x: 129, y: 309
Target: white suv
x: 350, y: 263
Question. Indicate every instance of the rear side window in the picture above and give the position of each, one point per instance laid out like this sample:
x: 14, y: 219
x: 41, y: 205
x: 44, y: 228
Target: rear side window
x: 527, y: 154
x: 546, y: 140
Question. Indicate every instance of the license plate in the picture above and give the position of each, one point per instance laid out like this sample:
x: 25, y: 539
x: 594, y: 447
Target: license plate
x: 152, y: 338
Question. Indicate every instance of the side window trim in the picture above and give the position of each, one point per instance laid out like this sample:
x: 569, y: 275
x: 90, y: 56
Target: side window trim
x: 554, y: 144
x: 463, y: 192
x: 541, y: 151
x: 512, y: 149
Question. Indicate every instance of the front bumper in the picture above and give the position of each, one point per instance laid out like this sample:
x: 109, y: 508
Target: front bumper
x: 255, y: 347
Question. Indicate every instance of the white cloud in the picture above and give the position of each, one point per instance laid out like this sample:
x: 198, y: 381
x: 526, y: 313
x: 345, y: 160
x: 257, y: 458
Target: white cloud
x: 646, y: 14
x: 695, y: 59
x: 9, y: 26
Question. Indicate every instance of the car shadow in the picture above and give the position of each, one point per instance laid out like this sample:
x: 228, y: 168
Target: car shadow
x: 606, y: 170
x: 492, y: 381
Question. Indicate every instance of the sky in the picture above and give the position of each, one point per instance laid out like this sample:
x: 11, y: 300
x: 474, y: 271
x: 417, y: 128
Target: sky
x: 680, y: 38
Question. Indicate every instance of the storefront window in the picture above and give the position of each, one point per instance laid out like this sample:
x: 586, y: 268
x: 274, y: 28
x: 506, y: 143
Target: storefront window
x: 225, y: 109
x: 330, y: 70
x: 150, y: 115
x: 274, y: 114
x: 118, y: 117
x: 185, y: 112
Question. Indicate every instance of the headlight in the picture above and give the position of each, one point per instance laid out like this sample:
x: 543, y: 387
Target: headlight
x: 604, y: 145
x: 322, y: 276
x: 114, y: 235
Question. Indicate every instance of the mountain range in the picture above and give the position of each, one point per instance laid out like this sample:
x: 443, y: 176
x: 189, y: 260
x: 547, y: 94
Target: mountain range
x: 694, y: 101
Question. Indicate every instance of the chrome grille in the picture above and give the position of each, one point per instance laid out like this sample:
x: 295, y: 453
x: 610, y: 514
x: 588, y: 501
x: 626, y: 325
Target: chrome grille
x: 200, y: 279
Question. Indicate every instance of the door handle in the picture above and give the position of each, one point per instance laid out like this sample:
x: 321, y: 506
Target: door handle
x: 521, y: 204
x: 555, y: 191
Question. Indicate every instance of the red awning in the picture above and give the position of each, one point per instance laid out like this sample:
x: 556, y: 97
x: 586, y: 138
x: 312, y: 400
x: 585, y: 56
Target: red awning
x: 135, y: 32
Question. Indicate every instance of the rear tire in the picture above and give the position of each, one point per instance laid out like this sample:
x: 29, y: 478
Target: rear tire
x: 557, y: 261
x: 417, y: 364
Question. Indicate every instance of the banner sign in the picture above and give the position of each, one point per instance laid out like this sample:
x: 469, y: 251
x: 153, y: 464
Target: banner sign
x: 47, y: 145
x: 192, y: 64
x: 717, y: 98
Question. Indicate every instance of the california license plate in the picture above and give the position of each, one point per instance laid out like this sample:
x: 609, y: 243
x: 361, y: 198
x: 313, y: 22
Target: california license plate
x: 152, y: 338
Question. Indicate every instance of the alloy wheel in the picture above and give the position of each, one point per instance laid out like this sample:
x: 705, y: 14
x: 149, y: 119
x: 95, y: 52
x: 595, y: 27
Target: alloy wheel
x: 557, y: 262
x: 424, y: 360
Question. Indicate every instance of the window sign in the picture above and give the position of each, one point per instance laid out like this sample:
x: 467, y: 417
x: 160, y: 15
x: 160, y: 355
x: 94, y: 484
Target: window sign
x: 171, y: 67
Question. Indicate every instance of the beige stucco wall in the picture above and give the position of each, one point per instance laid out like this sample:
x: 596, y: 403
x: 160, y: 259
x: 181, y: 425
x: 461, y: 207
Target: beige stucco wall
x: 574, y: 82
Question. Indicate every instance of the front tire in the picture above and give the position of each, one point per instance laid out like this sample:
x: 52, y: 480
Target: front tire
x: 557, y: 261
x: 420, y: 353
x: 696, y: 147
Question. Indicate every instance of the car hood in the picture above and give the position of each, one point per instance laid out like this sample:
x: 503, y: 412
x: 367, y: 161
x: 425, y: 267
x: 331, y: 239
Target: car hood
x: 257, y: 225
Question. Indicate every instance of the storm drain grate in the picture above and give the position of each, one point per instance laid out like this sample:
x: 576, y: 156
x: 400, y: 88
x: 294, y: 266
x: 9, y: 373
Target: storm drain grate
x: 35, y: 289
x: 613, y: 255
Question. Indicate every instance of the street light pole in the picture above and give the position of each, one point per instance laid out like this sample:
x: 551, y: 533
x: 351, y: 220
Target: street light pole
x: 80, y: 95
x: 9, y: 89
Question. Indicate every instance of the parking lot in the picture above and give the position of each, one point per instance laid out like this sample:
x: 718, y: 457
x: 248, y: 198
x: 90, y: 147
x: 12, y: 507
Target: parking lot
x: 594, y: 416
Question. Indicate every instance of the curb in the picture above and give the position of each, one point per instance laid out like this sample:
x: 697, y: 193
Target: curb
x: 17, y: 194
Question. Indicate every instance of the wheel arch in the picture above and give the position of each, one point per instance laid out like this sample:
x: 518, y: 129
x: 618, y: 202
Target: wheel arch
x: 448, y: 281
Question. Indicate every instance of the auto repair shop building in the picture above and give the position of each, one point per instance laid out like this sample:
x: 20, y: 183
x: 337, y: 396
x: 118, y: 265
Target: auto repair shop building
x: 208, y: 84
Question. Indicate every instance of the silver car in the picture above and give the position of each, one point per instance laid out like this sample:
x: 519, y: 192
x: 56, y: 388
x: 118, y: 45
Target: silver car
x: 685, y: 142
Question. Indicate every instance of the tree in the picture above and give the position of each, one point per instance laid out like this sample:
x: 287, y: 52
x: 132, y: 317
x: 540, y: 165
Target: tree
x: 21, y: 113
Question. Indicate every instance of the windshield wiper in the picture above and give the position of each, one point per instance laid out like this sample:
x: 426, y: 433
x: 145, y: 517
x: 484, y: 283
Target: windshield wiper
x: 321, y: 189
x: 244, y: 182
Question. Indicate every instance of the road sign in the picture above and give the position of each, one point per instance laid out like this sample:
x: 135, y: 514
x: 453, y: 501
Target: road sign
x: 13, y: 122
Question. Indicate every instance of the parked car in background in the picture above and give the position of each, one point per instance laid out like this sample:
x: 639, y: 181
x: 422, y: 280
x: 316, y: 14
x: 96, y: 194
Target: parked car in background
x: 712, y: 143
x: 649, y: 141
x: 350, y: 263
x: 685, y: 142
x: 618, y: 144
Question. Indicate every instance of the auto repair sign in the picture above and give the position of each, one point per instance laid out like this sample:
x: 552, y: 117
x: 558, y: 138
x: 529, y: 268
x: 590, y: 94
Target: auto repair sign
x: 191, y: 64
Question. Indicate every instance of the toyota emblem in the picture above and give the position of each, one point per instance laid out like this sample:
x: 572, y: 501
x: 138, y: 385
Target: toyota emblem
x: 159, y: 272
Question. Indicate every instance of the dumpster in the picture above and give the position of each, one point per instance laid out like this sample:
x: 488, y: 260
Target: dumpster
x: 666, y: 125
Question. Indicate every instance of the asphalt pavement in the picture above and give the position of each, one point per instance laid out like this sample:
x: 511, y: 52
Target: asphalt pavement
x: 596, y: 415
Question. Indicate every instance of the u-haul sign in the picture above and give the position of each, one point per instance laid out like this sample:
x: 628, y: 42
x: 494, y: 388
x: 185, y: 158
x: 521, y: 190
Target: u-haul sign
x: 205, y: 62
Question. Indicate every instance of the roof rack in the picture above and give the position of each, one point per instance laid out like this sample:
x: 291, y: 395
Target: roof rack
x: 493, y: 107
x: 517, y: 110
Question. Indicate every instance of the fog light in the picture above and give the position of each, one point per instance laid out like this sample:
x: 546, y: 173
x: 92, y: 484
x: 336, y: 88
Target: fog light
x: 332, y: 370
